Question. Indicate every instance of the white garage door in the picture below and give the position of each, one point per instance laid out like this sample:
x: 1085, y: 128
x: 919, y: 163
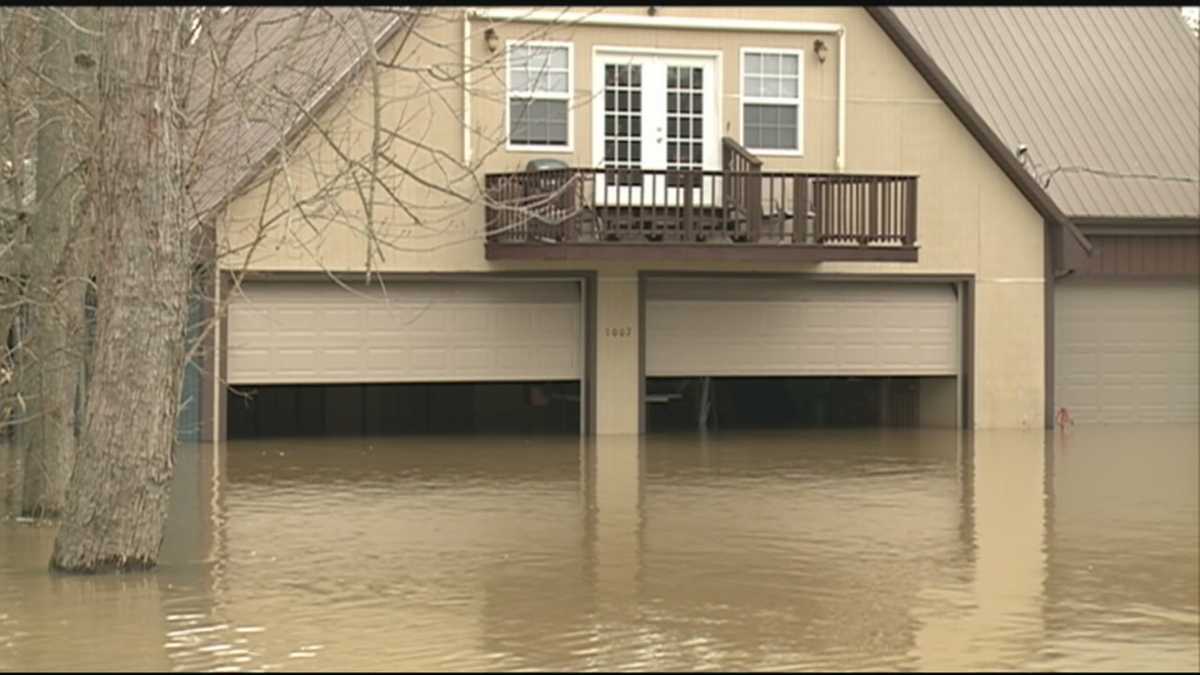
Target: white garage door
x: 740, y: 327
x: 412, y: 331
x: 1127, y: 352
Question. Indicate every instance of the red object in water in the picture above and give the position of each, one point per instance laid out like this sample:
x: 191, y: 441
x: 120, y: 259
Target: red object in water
x: 1063, y: 418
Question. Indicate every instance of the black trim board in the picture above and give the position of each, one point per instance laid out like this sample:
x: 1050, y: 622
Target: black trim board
x: 1048, y: 337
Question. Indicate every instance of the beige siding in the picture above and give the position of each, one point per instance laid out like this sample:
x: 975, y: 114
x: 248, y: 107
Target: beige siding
x: 1128, y: 352
x: 413, y: 332
x: 617, y: 354
x: 972, y: 220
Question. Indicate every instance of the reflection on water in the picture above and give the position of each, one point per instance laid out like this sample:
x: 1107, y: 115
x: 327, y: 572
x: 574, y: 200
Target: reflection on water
x: 849, y: 550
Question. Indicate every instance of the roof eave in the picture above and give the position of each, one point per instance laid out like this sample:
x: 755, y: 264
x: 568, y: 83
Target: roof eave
x: 1164, y: 222
x: 301, y: 122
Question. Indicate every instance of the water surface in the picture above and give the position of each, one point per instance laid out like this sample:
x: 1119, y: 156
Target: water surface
x: 930, y: 550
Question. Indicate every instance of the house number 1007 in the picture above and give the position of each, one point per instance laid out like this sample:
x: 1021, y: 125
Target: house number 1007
x: 625, y: 331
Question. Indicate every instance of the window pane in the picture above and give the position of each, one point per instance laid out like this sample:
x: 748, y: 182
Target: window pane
x: 790, y: 88
x: 556, y: 133
x: 556, y: 111
x: 787, y: 136
x: 771, y: 87
x: 557, y: 83
x: 518, y: 126
x: 790, y: 64
x: 771, y: 127
x: 518, y: 81
x: 754, y: 86
x: 752, y: 138
x: 753, y: 64
x: 558, y: 57
x: 770, y: 64
x: 518, y: 58
x: 534, y: 122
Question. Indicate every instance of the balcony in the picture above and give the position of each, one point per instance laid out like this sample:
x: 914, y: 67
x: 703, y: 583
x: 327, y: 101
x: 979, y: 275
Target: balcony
x: 739, y: 213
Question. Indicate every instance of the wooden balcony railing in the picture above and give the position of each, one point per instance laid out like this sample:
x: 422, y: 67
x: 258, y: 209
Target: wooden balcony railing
x: 740, y: 204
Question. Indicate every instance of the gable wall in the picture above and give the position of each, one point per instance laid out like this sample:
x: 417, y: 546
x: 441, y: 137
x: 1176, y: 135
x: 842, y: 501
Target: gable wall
x: 972, y: 220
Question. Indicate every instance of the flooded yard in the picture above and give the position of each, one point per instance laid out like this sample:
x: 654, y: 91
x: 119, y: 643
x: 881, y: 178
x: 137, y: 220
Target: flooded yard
x: 756, y: 550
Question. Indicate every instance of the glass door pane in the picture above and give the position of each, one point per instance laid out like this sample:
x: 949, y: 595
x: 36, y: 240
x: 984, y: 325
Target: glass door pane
x: 688, y: 112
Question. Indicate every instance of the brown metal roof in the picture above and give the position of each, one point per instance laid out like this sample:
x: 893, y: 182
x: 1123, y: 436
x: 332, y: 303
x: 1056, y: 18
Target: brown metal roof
x: 1109, y: 96
x: 258, y: 68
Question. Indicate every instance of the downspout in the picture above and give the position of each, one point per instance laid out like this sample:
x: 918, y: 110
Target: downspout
x: 840, y: 160
x: 466, y: 80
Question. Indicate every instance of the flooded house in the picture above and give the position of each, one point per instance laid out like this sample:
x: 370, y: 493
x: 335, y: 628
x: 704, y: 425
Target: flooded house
x: 626, y: 219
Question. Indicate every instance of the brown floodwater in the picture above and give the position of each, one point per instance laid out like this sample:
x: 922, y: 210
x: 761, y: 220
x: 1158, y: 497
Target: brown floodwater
x: 881, y: 549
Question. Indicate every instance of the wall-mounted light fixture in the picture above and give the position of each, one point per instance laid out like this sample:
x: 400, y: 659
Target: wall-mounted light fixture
x: 821, y: 50
x: 492, y: 40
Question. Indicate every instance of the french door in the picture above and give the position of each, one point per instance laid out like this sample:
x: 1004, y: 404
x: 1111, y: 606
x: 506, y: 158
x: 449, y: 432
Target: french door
x: 654, y: 112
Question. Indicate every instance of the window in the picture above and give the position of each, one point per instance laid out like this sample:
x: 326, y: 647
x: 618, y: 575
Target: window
x: 772, y: 101
x: 539, y: 95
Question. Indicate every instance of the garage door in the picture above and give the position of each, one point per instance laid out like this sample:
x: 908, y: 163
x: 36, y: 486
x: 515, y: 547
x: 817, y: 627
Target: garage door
x: 1127, y: 351
x: 747, y: 327
x: 319, y: 332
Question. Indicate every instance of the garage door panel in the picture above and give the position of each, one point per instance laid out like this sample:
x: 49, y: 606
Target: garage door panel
x: 1128, y: 351
x: 728, y: 327
x: 311, y: 332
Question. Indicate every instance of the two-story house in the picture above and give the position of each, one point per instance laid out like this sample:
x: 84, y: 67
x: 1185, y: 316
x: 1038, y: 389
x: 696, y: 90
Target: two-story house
x: 614, y: 219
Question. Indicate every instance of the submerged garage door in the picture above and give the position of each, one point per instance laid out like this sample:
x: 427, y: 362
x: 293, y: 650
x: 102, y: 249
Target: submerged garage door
x: 746, y: 327
x: 1127, y: 351
x: 411, y: 331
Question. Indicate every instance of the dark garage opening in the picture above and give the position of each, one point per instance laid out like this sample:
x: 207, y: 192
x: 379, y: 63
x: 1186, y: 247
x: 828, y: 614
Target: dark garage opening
x: 675, y: 404
x: 403, y: 409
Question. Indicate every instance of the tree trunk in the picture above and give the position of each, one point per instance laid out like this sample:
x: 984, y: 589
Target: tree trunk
x: 117, y: 500
x: 54, y: 296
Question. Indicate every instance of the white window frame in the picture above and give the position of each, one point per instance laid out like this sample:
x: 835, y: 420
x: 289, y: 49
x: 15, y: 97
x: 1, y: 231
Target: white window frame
x: 569, y: 148
x: 798, y: 102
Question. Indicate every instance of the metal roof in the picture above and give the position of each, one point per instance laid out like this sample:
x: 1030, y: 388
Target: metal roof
x: 258, y: 73
x: 1106, y: 99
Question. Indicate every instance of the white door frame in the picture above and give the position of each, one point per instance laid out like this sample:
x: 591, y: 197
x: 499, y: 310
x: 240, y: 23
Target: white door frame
x: 654, y: 112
